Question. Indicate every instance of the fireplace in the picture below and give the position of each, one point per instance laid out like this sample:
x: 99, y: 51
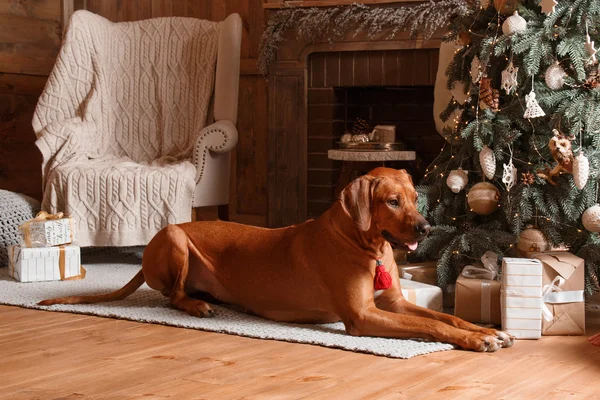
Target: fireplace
x: 380, y: 87
x: 316, y: 90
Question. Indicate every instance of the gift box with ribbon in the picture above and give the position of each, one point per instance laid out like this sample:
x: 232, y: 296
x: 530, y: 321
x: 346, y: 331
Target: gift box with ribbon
x: 47, y: 230
x: 45, y: 263
x: 421, y: 294
x: 477, y: 292
x: 424, y: 272
x: 563, y: 308
x: 522, y: 297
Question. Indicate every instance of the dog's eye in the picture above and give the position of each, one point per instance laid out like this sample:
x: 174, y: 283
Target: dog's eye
x: 394, y: 203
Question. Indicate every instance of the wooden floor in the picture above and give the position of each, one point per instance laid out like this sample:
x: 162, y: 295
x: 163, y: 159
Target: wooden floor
x: 50, y: 355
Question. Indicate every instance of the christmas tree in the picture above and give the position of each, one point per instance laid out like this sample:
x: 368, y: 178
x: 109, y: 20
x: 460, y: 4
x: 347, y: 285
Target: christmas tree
x: 522, y: 154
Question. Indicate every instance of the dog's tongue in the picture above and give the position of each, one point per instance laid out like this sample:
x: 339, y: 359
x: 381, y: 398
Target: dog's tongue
x: 412, y: 246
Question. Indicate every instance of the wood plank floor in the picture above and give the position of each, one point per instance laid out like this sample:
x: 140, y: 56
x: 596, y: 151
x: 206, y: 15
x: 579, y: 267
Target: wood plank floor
x: 50, y: 355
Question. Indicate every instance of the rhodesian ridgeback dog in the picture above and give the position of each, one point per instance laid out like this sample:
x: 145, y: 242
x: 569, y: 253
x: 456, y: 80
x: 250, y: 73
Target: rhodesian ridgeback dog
x: 320, y: 271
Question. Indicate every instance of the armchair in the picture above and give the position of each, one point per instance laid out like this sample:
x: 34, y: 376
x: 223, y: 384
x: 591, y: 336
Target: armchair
x: 136, y: 124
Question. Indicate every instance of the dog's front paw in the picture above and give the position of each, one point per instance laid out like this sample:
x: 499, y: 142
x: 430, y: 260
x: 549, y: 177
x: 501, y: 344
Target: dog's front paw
x: 482, y: 343
x: 507, y: 340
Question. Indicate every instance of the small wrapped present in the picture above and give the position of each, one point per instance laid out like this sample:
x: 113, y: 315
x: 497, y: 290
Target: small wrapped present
x: 425, y: 272
x: 423, y: 295
x: 522, y: 297
x: 477, y: 300
x: 47, y: 230
x: 563, y: 308
x: 45, y: 263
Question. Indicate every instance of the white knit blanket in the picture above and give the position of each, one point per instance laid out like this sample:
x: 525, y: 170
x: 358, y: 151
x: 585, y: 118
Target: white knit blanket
x: 110, y: 271
x: 117, y: 122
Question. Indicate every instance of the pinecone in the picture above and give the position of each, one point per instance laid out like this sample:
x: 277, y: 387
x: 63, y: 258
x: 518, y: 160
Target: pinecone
x: 527, y: 178
x: 593, y: 80
x: 487, y: 95
x: 361, y: 127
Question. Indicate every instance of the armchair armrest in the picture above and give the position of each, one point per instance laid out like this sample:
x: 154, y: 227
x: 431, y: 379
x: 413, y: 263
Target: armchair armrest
x: 220, y: 137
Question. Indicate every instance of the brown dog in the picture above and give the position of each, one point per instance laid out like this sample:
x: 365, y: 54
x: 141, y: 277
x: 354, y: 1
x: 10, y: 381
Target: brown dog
x: 319, y: 271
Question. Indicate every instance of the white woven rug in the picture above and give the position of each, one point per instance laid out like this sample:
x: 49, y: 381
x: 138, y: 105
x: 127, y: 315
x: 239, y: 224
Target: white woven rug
x: 110, y: 270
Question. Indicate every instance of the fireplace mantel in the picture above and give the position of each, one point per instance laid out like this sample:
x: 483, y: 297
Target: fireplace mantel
x: 288, y: 92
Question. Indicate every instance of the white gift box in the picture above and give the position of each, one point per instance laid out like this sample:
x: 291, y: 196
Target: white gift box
x: 45, y: 263
x: 47, y: 230
x: 422, y: 294
x: 521, y: 297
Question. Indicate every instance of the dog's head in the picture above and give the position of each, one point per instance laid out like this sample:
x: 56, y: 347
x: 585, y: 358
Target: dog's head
x: 384, y: 202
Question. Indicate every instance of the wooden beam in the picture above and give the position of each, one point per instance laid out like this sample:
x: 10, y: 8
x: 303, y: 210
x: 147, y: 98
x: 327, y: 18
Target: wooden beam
x: 275, y: 4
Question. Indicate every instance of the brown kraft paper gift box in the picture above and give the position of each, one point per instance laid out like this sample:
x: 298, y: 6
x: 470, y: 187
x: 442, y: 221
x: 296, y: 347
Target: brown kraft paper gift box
x: 424, y: 272
x: 478, y: 300
x: 563, y: 309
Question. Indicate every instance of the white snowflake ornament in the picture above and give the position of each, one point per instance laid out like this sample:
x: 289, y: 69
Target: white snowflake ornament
x: 533, y: 109
x: 509, y: 78
x: 509, y: 176
x: 591, y: 50
x: 487, y: 160
x: 475, y: 70
x: 548, y: 6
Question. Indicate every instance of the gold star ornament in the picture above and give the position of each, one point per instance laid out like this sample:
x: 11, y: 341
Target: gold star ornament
x: 548, y: 6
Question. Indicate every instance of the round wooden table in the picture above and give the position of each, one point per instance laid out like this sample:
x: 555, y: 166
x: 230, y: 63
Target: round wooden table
x: 351, y: 158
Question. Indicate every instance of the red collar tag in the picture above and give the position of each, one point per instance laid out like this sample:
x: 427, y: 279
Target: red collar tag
x: 383, y: 279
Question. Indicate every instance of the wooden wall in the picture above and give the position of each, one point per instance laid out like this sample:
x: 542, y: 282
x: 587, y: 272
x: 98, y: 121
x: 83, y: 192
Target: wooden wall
x: 30, y: 39
x: 30, y: 34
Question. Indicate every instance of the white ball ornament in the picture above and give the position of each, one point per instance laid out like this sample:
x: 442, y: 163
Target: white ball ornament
x: 483, y: 198
x: 514, y: 24
x: 555, y: 76
x: 457, y: 180
x: 487, y: 160
x: 581, y: 170
x: 591, y: 218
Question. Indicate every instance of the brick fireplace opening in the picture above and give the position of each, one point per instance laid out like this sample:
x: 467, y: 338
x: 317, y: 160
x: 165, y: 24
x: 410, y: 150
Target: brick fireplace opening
x: 389, y: 87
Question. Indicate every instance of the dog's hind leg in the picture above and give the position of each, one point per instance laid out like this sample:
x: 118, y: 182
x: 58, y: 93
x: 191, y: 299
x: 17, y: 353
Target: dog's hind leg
x: 170, y: 249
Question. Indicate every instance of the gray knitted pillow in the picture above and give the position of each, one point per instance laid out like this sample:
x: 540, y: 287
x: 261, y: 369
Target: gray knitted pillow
x: 15, y: 209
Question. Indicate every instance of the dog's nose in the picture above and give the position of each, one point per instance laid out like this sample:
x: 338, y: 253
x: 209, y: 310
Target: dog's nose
x: 423, y: 228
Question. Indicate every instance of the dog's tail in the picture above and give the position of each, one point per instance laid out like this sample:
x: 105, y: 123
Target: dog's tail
x: 137, y: 281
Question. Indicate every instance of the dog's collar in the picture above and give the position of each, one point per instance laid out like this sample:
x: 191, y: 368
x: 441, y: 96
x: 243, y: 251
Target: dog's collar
x: 383, y: 279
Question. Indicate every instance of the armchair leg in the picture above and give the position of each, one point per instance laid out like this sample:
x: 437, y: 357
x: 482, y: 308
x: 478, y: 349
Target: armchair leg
x: 223, y: 212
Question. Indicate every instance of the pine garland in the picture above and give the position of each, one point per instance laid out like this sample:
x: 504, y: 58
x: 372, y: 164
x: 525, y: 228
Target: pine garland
x: 333, y: 23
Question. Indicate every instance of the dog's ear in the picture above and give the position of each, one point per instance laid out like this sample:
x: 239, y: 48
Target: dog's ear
x: 356, y: 200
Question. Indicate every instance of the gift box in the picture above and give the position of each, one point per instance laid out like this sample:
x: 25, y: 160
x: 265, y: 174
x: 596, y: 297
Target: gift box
x: 47, y: 230
x: 425, y: 272
x: 477, y: 300
x: 45, y: 263
x: 563, y: 308
x: 421, y: 294
x: 522, y: 297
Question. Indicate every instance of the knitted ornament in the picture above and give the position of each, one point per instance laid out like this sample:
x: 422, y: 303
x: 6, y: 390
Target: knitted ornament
x: 457, y: 180
x: 555, y: 76
x: 488, y: 97
x: 591, y: 50
x: 383, y: 279
x: 483, y: 198
x: 509, y: 78
x: 506, y: 7
x: 532, y: 240
x: 487, y: 160
x: 533, y: 109
x: 591, y: 218
x: 548, y: 6
x: 514, y: 24
x: 360, y: 138
x: 581, y: 170
x: 475, y: 69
